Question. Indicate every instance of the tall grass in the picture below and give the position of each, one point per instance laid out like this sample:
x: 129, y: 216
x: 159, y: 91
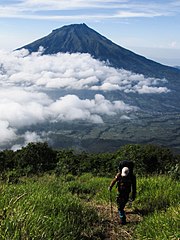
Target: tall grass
x: 158, y: 199
x: 156, y: 193
x: 91, y: 188
x: 56, y: 208
x: 160, y: 225
x: 44, y: 210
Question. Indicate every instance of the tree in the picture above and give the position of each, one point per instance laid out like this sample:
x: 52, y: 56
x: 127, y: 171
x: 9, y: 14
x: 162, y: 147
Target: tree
x: 36, y: 157
x: 147, y: 158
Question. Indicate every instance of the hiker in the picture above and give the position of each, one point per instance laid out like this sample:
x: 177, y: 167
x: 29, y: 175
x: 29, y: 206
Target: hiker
x: 126, y: 183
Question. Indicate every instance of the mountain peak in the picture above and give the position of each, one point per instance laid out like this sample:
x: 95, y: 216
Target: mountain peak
x: 81, y: 38
x: 71, y: 26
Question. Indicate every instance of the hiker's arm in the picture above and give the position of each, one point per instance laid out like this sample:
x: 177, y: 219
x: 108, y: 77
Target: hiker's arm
x: 134, y: 187
x: 113, y: 181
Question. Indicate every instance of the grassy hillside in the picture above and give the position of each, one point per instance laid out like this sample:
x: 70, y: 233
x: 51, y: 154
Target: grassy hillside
x: 49, y: 194
x: 78, y: 208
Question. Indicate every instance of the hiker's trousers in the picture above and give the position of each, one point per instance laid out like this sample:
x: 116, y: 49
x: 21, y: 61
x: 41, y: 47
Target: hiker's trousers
x: 121, y: 203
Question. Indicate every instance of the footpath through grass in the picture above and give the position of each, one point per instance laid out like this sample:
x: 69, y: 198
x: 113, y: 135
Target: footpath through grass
x: 78, y: 208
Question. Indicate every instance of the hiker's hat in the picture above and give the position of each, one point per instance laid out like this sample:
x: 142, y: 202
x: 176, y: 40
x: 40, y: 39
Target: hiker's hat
x: 125, y: 171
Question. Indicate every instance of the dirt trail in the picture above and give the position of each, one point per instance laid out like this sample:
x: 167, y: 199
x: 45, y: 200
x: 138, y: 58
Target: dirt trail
x: 111, y: 223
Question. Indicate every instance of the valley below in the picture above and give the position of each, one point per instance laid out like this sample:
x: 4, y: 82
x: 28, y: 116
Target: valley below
x: 144, y: 128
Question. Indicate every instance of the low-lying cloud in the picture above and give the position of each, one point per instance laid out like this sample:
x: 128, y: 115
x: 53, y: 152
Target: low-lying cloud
x: 70, y: 71
x: 27, y: 79
x: 71, y: 107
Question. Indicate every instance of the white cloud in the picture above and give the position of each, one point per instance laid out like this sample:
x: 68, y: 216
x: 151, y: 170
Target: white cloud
x: 26, y: 86
x: 133, y: 14
x: 147, y: 89
x: 68, y: 71
x: 71, y: 107
x: 63, y: 4
x: 32, y: 137
x: 22, y: 108
x: 40, y: 9
x: 173, y: 44
x: 7, y: 133
x: 124, y: 117
x: 29, y: 137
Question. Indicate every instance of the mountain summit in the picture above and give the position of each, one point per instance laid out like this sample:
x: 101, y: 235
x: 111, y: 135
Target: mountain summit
x: 80, y: 38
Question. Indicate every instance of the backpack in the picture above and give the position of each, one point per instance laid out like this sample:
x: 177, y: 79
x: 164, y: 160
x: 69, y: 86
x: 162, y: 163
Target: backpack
x: 124, y: 185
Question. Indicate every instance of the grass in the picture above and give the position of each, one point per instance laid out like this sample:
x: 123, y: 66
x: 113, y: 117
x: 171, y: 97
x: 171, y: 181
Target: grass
x: 91, y: 188
x: 44, y: 210
x: 159, y: 200
x: 160, y: 225
x: 55, y: 208
x: 156, y: 193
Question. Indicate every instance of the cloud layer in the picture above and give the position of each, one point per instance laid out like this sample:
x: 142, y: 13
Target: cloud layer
x: 27, y: 80
x: 70, y: 71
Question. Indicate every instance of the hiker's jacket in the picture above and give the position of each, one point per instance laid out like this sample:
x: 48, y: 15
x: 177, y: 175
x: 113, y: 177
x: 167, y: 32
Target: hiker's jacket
x: 125, y: 185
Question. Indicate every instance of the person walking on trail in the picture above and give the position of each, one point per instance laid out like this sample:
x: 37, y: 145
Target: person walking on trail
x: 126, y: 184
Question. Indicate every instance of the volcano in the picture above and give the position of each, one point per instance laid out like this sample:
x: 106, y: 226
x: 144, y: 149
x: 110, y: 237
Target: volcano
x: 157, y: 119
x: 79, y: 38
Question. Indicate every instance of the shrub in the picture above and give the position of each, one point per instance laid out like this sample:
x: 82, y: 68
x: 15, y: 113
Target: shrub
x: 37, y: 157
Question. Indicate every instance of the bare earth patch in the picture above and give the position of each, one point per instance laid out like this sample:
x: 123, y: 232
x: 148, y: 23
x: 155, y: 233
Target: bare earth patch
x: 113, y: 230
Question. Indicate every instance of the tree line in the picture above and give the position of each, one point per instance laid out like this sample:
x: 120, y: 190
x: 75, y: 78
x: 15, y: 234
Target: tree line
x: 37, y: 158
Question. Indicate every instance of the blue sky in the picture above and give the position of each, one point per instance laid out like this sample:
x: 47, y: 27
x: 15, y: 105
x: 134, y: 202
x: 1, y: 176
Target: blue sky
x: 147, y: 27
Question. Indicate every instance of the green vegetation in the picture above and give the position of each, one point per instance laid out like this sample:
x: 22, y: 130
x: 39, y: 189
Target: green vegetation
x: 59, y: 194
x: 43, y: 209
x: 150, y: 126
x: 156, y: 193
x: 37, y: 158
x: 51, y: 207
x: 160, y: 225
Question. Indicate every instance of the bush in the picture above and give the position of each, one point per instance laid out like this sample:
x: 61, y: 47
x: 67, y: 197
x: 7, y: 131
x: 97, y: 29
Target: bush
x: 11, y: 176
x: 70, y: 162
x: 36, y: 158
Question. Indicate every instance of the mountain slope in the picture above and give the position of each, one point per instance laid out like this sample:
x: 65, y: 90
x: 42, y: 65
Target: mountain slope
x: 80, y: 38
x: 157, y: 119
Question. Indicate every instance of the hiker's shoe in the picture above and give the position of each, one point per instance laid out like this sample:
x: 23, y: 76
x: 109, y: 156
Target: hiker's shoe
x: 122, y: 221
